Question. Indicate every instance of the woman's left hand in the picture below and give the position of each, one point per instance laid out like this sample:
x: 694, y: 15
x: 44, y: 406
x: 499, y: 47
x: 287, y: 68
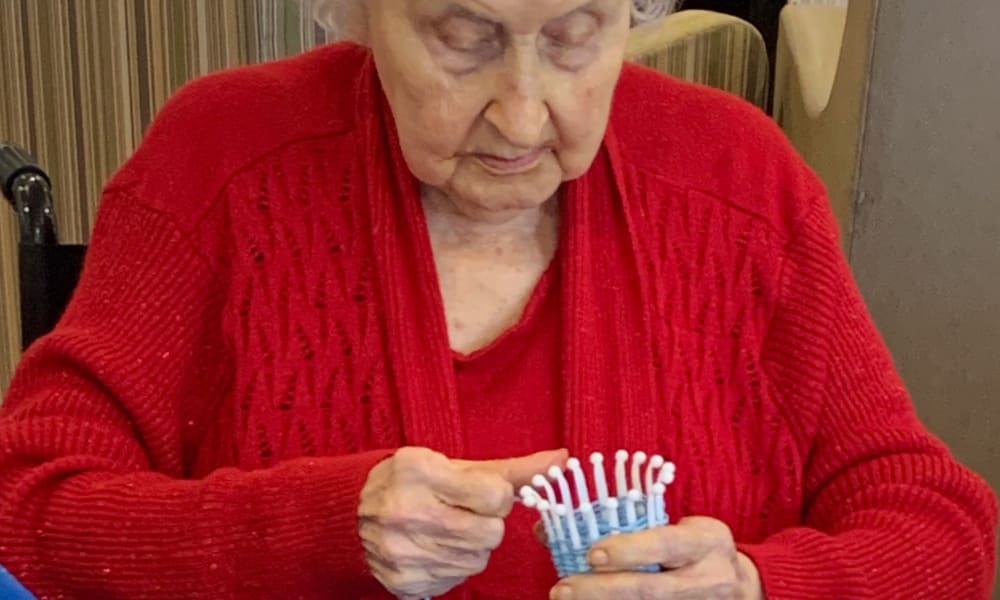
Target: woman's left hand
x: 698, y: 557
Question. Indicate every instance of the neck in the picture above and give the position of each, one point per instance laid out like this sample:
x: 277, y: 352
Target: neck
x: 451, y: 226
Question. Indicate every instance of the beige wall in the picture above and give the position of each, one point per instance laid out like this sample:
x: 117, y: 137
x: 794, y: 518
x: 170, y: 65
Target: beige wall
x: 926, y: 242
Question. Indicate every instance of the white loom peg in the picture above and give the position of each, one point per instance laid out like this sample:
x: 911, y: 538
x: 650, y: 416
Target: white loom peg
x: 654, y: 463
x: 667, y: 476
x: 556, y: 474
x: 587, y: 510
x: 574, y: 534
x: 638, y: 459
x: 634, y: 497
x: 660, y: 504
x: 620, y: 484
x: 539, y: 481
x: 668, y: 473
x: 582, y: 495
x: 552, y: 524
x: 600, y: 480
x: 548, y: 522
x: 529, y: 497
x: 611, y: 509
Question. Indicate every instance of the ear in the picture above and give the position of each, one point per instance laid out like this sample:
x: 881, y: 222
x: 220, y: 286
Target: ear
x: 344, y: 19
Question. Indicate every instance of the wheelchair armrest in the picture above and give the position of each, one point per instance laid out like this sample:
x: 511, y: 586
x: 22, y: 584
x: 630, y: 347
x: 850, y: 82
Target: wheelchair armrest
x: 15, y: 162
x: 29, y: 191
x: 48, y: 276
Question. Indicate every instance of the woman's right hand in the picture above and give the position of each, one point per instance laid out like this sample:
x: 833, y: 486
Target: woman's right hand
x: 429, y: 522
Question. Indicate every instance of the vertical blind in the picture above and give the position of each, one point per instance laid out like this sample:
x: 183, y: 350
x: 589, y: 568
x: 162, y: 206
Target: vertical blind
x: 81, y: 79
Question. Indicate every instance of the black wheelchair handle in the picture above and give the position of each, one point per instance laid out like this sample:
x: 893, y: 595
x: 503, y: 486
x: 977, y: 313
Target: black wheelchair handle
x: 15, y: 163
x: 28, y: 189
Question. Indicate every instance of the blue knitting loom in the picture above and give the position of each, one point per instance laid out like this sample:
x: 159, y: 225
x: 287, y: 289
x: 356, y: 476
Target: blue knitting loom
x: 11, y: 589
x: 571, y: 532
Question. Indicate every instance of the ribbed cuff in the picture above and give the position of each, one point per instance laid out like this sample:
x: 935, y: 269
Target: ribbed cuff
x: 799, y: 564
x: 312, y: 525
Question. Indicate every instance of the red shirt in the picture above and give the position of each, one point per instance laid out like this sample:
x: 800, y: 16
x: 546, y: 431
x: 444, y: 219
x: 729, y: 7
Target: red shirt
x: 509, y: 396
x: 513, y: 384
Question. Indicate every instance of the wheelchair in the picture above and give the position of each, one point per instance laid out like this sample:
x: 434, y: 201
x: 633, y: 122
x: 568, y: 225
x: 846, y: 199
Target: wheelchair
x: 48, y: 270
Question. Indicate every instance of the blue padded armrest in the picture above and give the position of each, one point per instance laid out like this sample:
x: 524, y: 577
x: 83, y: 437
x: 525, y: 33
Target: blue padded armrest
x: 10, y: 589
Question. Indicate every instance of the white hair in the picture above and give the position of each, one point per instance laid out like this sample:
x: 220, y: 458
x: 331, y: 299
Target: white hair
x: 644, y: 11
x: 343, y: 18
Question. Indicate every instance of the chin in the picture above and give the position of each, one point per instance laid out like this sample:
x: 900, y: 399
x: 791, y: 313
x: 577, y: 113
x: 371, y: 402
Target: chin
x: 507, y: 193
x: 514, y: 197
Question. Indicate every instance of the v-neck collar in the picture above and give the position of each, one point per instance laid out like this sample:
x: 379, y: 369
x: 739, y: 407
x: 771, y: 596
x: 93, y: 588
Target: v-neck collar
x: 607, y: 366
x: 540, y: 294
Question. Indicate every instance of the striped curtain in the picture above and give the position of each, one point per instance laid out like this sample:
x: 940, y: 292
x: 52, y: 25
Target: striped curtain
x: 707, y: 47
x: 81, y: 79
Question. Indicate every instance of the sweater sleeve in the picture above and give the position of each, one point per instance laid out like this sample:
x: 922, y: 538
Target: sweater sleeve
x: 99, y: 426
x: 888, y: 512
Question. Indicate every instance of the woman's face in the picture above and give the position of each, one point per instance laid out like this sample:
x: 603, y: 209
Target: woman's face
x: 499, y: 101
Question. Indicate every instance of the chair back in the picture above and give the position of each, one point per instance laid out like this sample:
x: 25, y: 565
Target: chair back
x: 706, y: 47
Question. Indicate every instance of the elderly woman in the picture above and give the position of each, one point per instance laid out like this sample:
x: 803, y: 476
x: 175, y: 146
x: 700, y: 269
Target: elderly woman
x: 330, y: 298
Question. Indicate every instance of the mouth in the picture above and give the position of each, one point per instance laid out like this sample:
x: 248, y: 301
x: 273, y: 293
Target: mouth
x: 511, y: 165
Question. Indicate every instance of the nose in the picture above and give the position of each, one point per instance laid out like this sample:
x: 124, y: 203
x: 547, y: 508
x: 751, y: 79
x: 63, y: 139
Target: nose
x: 519, y: 110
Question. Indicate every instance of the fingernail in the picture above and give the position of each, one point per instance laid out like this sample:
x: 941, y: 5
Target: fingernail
x: 598, y: 558
x: 561, y: 592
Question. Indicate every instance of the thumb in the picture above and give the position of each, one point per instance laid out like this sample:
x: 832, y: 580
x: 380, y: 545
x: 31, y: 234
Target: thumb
x: 519, y: 471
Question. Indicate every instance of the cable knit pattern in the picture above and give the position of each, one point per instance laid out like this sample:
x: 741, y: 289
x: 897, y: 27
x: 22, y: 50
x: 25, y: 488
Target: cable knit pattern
x: 304, y: 312
x: 258, y: 324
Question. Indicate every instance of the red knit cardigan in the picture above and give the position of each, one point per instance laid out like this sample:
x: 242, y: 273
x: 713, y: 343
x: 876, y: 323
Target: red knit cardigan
x: 258, y: 324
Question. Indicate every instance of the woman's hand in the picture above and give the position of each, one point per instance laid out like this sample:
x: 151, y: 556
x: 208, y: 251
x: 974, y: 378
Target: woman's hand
x: 429, y: 522
x: 699, y: 559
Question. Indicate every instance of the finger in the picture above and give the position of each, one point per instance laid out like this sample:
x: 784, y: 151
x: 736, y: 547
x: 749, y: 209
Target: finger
x: 397, y: 552
x: 411, y: 582
x: 480, y: 491
x: 620, y: 586
x: 452, y: 561
x: 460, y: 528
x: 685, y: 543
x: 519, y: 471
x: 675, y: 585
x: 461, y: 562
x: 408, y: 582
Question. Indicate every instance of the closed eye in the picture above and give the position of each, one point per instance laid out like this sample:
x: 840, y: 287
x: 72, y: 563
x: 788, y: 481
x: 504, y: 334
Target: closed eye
x: 575, y: 29
x: 468, y: 34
